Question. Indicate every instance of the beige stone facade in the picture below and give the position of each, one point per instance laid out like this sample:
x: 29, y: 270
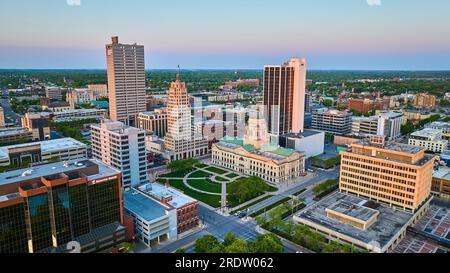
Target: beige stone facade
x: 395, y: 174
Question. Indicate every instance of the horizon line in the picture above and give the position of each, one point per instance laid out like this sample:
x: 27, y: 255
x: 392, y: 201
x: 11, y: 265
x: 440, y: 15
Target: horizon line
x: 233, y: 69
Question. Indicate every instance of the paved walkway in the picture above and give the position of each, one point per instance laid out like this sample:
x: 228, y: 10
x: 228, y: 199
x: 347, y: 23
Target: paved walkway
x: 185, y: 179
x: 223, y: 193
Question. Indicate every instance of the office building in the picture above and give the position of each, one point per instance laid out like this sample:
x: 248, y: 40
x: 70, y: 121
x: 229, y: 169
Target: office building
x: 332, y: 121
x: 360, y: 222
x: 126, y: 81
x: 180, y: 140
x: 430, y: 139
x: 154, y: 222
x: 415, y: 116
x: 53, y: 92
x: 368, y: 105
x: 444, y: 127
x: 186, y: 207
x: 384, y: 188
x: 15, y: 135
x: 61, y: 149
x: 154, y: 122
x: 122, y: 147
x: 79, y: 96
x: 99, y: 90
x: 284, y: 97
x: 58, y: 106
x: 386, y: 123
x: 423, y: 100
x: 310, y: 142
x: 391, y: 173
x: 38, y: 125
x: 364, y: 126
x: 440, y: 185
x: 45, y: 207
x: 77, y: 114
x: 2, y: 117
x: 390, y: 124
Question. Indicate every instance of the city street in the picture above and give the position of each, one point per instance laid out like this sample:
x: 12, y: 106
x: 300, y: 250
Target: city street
x: 10, y: 115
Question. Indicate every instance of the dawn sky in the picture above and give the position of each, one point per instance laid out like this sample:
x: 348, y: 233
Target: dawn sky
x: 331, y: 34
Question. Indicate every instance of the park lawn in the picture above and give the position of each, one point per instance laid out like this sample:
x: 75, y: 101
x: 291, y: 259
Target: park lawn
x: 199, y: 174
x: 232, y: 175
x: 201, y: 165
x: 205, y: 185
x: 216, y: 170
x: 211, y: 200
x: 271, y: 188
x: 221, y: 179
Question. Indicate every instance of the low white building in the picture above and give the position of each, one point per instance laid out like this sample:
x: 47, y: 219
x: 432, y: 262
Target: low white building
x: 154, y: 222
x: 62, y: 149
x: 429, y: 138
x: 310, y: 142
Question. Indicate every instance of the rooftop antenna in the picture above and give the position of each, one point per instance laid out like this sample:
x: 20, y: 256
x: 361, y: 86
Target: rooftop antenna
x: 178, y: 73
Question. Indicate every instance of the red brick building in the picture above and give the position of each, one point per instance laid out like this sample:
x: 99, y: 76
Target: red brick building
x: 368, y: 105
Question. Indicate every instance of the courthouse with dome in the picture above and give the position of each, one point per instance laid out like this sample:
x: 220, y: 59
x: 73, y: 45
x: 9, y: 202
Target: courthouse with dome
x: 254, y: 155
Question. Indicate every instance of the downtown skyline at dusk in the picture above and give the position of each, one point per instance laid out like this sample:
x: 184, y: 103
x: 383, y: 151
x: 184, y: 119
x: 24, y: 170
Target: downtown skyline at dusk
x: 258, y: 135
x: 360, y: 35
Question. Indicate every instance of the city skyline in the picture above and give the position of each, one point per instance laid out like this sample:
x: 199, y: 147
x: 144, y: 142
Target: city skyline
x: 357, y: 35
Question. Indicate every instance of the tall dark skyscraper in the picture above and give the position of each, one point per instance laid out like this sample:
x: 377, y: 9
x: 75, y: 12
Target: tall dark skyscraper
x: 284, y: 97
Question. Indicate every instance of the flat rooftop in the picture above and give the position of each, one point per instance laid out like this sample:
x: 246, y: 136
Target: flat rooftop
x: 79, y: 111
x: 12, y: 131
x: 56, y: 168
x: 443, y: 173
x: 393, y: 146
x: 353, y: 210
x: 427, y: 132
x: 306, y: 133
x: 389, y: 222
x: 46, y: 146
x: 160, y: 191
x: 143, y: 206
x: 391, y: 114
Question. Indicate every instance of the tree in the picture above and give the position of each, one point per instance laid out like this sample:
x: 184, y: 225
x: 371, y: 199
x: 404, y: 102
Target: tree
x: 183, y: 165
x: 206, y: 244
x: 230, y: 238
x: 247, y: 188
x: 238, y: 246
x: 328, y: 103
x: 408, y: 128
x: 180, y: 250
x: 267, y: 243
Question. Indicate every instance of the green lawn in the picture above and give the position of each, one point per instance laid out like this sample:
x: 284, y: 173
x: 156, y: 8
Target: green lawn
x: 299, y: 192
x: 254, y: 202
x: 212, y: 200
x: 199, y: 174
x: 201, y: 165
x: 205, y: 185
x: 266, y: 209
x: 232, y: 175
x: 221, y: 179
x: 216, y: 170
